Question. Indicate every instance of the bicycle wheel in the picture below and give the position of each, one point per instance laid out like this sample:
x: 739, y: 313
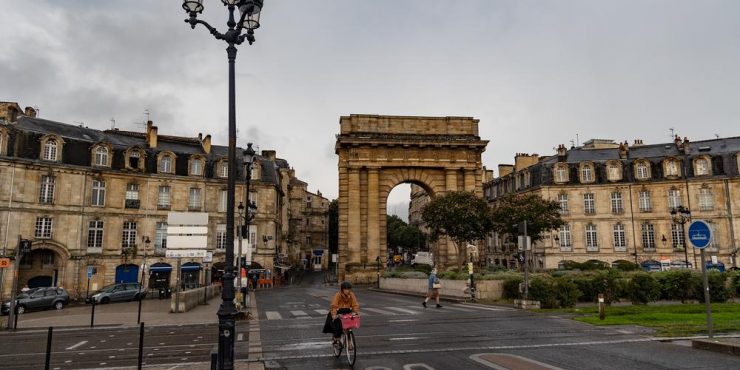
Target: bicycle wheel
x: 337, y: 347
x: 351, y: 348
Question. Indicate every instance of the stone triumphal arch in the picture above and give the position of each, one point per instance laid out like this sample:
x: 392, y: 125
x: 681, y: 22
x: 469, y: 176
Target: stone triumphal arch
x: 376, y: 153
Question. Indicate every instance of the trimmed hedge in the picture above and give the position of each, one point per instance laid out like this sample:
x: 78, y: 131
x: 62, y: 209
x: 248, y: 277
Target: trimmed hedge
x: 643, y: 288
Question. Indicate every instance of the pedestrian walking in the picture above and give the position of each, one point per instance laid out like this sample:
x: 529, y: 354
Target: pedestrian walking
x: 434, y: 287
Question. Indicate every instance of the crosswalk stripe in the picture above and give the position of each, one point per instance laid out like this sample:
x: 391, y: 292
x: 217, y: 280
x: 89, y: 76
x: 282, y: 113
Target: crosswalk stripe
x: 299, y: 313
x: 273, y: 315
x: 403, y: 310
x: 322, y: 312
x: 458, y: 309
x: 377, y: 310
x: 483, y: 308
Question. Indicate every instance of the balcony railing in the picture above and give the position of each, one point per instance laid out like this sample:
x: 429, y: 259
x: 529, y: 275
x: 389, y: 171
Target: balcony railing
x: 133, y: 203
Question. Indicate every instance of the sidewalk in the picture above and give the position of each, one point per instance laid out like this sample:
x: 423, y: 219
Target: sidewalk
x: 722, y: 345
x: 154, y: 312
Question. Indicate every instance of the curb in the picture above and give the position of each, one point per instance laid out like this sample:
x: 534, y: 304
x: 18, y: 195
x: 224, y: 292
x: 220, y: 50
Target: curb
x: 414, y: 294
x: 716, y: 346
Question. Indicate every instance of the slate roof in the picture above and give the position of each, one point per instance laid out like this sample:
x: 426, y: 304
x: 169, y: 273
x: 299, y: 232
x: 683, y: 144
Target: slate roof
x: 121, y: 140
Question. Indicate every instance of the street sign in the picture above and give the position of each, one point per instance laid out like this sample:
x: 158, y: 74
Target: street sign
x: 700, y: 234
x: 208, y: 258
x: 521, y: 243
x: 25, y: 246
x: 90, y: 271
x: 4, y: 262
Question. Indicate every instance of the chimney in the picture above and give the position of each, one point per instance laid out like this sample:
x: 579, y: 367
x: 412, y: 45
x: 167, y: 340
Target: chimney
x: 268, y: 154
x: 205, y: 143
x: 524, y: 160
x: 638, y: 142
x: 487, y: 175
x: 505, y: 169
x: 30, y: 112
x: 151, y: 134
x: 562, y: 152
x: 624, y: 150
x: 685, y: 145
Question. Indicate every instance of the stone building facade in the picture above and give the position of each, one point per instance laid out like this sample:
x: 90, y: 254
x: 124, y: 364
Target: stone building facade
x: 617, y: 199
x: 309, y: 227
x: 87, y: 197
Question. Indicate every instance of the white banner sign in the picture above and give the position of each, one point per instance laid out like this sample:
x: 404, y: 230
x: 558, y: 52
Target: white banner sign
x: 187, y: 230
x: 187, y: 253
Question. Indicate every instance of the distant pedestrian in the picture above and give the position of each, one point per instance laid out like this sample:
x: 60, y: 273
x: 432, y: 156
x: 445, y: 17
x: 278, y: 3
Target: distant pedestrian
x: 255, y: 278
x: 434, y: 287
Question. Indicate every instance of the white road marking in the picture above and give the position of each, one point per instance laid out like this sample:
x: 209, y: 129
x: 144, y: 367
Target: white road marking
x: 403, y: 310
x: 456, y: 309
x: 76, y: 345
x: 415, y: 366
x: 68, y: 361
x: 111, y: 357
x: 299, y: 313
x: 404, y: 338
x: 478, y: 307
x: 322, y: 312
x: 377, y: 310
x: 273, y: 315
x: 478, y: 358
x: 403, y: 320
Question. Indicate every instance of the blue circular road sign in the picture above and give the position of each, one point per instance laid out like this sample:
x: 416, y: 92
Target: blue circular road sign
x: 700, y: 234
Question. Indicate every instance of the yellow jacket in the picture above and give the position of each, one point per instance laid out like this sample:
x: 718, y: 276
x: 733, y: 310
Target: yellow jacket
x: 344, y: 301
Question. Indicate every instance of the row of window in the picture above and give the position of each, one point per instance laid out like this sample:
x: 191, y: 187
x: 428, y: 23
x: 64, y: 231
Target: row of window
x: 46, y: 195
x: 165, y: 164
x: 95, y: 230
x: 706, y: 201
x: 619, y: 240
x: 642, y: 168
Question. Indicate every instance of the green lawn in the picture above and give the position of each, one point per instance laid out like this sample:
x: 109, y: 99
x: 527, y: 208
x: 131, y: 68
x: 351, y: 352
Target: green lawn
x: 668, y: 320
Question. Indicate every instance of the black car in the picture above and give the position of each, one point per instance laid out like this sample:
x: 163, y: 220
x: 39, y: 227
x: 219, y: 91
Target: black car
x: 39, y: 299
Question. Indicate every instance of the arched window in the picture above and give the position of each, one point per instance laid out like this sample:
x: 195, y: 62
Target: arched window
x: 196, y: 167
x: 614, y: 171
x: 587, y: 173
x: 561, y: 173
x: 101, y: 156
x: 50, y: 150
x: 134, y: 159
x: 672, y: 167
x: 642, y: 170
x: 701, y: 167
x: 165, y: 164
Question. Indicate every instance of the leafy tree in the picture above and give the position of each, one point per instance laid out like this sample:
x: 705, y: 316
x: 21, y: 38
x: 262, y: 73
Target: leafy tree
x: 401, y: 234
x: 460, y: 215
x: 512, y: 209
x: 334, y: 226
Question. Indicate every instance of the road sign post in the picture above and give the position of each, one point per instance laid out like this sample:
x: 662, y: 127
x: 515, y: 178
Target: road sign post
x: 700, y: 235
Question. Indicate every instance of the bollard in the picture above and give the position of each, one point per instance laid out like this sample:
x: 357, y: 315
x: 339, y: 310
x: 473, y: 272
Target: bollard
x: 141, y: 345
x: 92, y: 314
x: 214, y: 360
x: 602, y: 309
x: 48, y: 348
x: 15, y: 319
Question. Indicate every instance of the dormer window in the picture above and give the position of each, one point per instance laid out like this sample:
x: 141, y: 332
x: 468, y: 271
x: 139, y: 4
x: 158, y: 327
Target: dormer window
x: 165, y: 164
x: 672, y: 168
x: 561, y: 173
x: 642, y: 170
x: 196, y: 166
x: 100, y: 156
x: 614, y: 171
x: 587, y: 173
x: 701, y: 167
x: 50, y: 150
x: 135, y: 159
x: 223, y: 169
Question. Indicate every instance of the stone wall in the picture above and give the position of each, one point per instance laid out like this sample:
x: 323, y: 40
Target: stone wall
x: 189, y: 299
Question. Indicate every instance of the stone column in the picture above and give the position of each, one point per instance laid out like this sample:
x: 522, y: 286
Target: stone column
x: 451, y: 180
x: 469, y: 180
x: 354, y: 229
x: 373, y: 216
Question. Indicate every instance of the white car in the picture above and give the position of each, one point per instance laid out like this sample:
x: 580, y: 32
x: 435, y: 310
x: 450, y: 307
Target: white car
x: 423, y: 258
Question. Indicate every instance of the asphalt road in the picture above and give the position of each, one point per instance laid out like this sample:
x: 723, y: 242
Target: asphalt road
x: 398, y: 333
x: 104, y: 347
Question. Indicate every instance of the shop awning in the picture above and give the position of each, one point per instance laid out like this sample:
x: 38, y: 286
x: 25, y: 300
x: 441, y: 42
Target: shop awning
x: 160, y: 268
x: 191, y: 268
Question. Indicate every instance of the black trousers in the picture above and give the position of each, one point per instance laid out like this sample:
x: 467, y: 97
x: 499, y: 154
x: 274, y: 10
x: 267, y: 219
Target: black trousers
x: 335, y: 326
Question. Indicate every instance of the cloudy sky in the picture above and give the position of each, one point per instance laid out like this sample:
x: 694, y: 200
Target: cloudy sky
x: 536, y: 73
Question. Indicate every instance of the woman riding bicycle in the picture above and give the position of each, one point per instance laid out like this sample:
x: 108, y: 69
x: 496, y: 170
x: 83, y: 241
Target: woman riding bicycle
x: 344, y: 302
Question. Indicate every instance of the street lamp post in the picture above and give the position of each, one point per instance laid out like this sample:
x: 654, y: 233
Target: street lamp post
x: 247, y: 159
x: 681, y: 215
x: 141, y: 284
x: 248, y: 19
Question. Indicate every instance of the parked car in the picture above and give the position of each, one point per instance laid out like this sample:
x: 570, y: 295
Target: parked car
x: 423, y: 258
x: 118, y: 292
x: 39, y: 299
